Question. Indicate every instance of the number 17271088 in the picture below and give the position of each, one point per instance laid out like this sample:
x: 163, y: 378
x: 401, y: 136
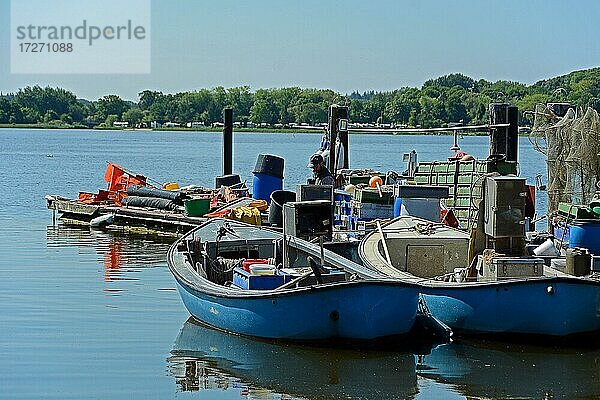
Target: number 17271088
x: 45, y: 47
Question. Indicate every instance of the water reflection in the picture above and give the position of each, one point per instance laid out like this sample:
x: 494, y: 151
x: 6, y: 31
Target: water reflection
x: 121, y: 254
x: 496, y: 370
x: 206, y: 360
x: 203, y: 358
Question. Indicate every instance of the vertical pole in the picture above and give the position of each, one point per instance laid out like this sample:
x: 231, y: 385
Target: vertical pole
x: 321, y: 240
x: 227, y: 141
x: 512, y: 138
x: 498, y: 115
x: 333, y: 129
x: 337, y: 113
x: 343, y: 113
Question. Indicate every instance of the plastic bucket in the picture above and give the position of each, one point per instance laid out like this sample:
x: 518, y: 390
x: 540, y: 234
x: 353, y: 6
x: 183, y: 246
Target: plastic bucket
x: 263, y: 185
x: 251, y: 261
x: 269, y: 164
x: 278, y: 199
x: 397, y: 206
x: 585, y: 233
x: 227, y: 180
x: 196, y: 207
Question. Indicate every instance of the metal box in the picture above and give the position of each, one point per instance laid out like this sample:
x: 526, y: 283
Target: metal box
x: 505, y: 206
x: 421, y: 191
x: 503, y: 268
x: 245, y: 280
x: 314, y: 192
x: 595, y: 263
x: 371, y: 195
x: 308, y: 218
x: 368, y: 211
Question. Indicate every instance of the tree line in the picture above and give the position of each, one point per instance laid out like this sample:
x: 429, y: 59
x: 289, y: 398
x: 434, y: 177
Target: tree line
x: 449, y: 98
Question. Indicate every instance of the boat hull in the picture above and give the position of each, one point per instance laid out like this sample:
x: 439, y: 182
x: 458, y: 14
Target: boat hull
x: 362, y: 310
x: 552, y: 306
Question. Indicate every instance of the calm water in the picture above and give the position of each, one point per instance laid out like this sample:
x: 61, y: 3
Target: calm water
x: 86, y: 314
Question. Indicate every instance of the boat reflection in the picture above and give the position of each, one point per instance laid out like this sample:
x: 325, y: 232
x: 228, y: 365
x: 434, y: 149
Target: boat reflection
x: 121, y: 254
x: 204, y: 358
x: 481, y: 369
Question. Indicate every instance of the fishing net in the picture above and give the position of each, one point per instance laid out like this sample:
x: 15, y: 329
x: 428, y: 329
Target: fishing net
x: 572, y: 147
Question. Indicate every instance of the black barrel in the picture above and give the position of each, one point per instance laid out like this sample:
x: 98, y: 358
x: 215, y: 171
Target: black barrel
x: 227, y: 180
x: 269, y: 164
x: 278, y: 199
x: 149, y: 202
x: 144, y: 191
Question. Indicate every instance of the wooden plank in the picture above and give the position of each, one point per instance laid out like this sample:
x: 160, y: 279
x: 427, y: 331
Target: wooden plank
x: 71, y: 206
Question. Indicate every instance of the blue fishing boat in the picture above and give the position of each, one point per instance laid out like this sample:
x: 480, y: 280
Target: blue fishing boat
x: 233, y: 276
x: 494, y: 294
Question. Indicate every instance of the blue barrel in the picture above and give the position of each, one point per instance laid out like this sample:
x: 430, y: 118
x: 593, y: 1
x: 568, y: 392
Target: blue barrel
x: 263, y: 185
x: 397, y: 207
x: 585, y: 233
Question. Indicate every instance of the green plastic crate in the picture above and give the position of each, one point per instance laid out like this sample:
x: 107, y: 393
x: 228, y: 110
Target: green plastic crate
x: 371, y: 195
x: 422, y: 179
x: 575, y: 211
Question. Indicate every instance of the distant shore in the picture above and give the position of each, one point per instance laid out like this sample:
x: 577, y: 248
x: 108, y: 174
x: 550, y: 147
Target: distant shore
x: 217, y: 129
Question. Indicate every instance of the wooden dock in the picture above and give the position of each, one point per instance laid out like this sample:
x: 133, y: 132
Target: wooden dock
x: 143, y: 220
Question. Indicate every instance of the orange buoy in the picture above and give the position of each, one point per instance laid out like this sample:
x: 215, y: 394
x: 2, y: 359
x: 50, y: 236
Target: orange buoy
x: 374, y: 181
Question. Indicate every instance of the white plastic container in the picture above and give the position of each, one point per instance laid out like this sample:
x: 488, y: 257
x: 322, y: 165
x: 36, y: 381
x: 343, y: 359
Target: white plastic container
x: 546, y: 249
x: 262, y: 269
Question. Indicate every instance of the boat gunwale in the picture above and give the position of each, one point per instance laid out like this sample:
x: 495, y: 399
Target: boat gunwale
x: 438, y: 284
x: 209, y: 288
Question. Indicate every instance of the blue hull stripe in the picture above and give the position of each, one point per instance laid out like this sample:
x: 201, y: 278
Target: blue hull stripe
x: 546, y: 307
x: 360, y: 310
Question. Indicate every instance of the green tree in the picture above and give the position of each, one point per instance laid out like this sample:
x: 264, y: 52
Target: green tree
x: 5, y: 110
x: 454, y: 106
x: 147, y: 98
x: 263, y: 110
x: 111, y: 105
x: 399, y: 108
x: 134, y: 116
x: 432, y: 111
x: 30, y: 116
x: 50, y: 115
x: 240, y: 99
x: 283, y: 99
x: 66, y: 118
x: 163, y: 109
x: 450, y: 81
x: 110, y: 120
x: 58, y: 101
x: 476, y: 105
x: 528, y: 103
x: 218, y: 103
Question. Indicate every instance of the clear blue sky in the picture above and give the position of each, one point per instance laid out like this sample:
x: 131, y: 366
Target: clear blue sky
x: 343, y: 45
